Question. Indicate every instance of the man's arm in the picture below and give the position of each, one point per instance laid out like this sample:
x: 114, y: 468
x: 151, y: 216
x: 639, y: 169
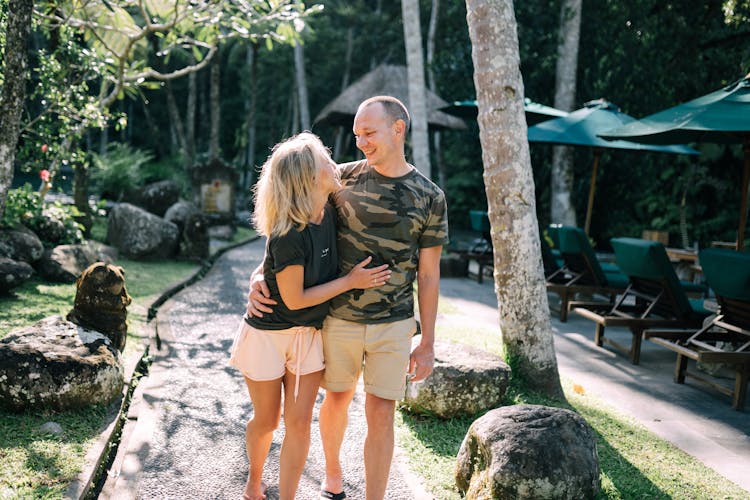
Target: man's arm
x: 258, y: 297
x: 422, y: 357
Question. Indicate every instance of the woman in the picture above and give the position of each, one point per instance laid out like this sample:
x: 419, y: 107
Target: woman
x: 283, y: 349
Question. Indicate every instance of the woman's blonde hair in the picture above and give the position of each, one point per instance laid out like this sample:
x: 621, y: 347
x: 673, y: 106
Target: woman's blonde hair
x: 283, y: 194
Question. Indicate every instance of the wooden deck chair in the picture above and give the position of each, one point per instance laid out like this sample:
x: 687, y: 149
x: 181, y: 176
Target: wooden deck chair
x: 582, y: 273
x: 653, y: 299
x: 726, y: 337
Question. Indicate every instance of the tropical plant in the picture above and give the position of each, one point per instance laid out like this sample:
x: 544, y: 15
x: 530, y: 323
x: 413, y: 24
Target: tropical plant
x: 118, y: 173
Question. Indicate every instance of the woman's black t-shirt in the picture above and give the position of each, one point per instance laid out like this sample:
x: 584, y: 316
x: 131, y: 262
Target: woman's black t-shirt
x: 314, y: 248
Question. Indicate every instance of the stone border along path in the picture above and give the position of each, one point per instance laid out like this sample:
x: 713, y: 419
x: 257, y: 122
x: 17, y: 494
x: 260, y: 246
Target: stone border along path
x: 184, y: 434
x: 103, y: 451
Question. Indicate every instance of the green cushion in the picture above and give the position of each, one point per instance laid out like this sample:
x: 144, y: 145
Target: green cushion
x: 648, y: 260
x: 616, y: 279
x: 697, y: 306
x: 480, y: 221
x: 574, y: 241
x: 689, y: 287
x: 553, y: 232
x: 727, y: 272
x: 609, y: 267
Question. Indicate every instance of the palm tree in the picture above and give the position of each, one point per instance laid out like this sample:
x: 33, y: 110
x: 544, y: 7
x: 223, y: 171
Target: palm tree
x: 519, y: 281
x: 562, y: 209
x: 420, y: 147
x: 18, y: 30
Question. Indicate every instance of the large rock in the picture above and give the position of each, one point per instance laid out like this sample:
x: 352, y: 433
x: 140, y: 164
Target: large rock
x: 528, y: 451
x: 101, y: 302
x: 464, y: 381
x: 194, y: 230
x: 20, y: 244
x: 65, y: 263
x: 140, y: 234
x: 13, y: 273
x: 157, y: 197
x: 179, y: 212
x: 57, y: 365
x: 195, y: 243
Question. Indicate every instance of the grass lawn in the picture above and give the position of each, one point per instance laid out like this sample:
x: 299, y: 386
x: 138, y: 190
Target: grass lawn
x: 634, y: 462
x: 38, y: 465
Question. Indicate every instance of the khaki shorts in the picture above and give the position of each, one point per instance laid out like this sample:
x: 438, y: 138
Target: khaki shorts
x: 263, y: 355
x: 384, y: 348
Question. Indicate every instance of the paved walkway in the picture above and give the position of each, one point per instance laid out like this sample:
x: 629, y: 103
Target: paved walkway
x: 189, y: 414
x: 191, y: 410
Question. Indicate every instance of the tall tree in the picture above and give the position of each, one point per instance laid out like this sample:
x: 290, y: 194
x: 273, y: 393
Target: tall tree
x: 431, y: 32
x: 420, y: 146
x: 562, y: 209
x: 519, y: 281
x: 215, y: 107
x: 15, y: 74
x: 299, y: 71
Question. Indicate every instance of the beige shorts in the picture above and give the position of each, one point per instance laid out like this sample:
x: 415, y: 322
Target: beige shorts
x: 383, y: 347
x: 263, y: 355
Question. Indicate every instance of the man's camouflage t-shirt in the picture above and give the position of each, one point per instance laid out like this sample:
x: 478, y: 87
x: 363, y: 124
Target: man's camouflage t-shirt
x: 390, y: 219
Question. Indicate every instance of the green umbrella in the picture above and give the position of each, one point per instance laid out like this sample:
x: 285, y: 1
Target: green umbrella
x: 722, y: 116
x: 580, y: 128
x: 535, y: 112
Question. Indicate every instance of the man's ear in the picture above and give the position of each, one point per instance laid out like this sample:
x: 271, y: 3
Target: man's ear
x: 400, y: 127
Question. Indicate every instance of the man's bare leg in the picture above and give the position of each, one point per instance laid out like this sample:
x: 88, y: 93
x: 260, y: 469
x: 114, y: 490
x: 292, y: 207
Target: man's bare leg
x: 378, y: 445
x: 334, y: 413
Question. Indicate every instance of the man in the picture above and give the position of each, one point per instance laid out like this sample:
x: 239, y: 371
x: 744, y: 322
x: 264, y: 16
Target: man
x: 387, y: 210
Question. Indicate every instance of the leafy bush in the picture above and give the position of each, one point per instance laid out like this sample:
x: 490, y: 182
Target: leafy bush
x: 119, y: 174
x: 54, y: 223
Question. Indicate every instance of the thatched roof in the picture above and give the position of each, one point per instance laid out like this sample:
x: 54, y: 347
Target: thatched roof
x: 384, y: 80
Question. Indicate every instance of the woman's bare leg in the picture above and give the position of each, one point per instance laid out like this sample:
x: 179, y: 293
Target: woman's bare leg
x: 297, y: 420
x: 266, y: 398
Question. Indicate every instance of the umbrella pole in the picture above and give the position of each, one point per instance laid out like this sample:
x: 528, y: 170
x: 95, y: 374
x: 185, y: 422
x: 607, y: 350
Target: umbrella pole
x: 743, y: 200
x: 592, y: 189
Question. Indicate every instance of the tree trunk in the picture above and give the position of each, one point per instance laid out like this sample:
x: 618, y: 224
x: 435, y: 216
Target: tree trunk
x: 252, y: 61
x: 215, y: 107
x: 175, y: 118
x: 81, y: 196
x: 192, y: 99
x: 299, y: 70
x: 431, y: 31
x: 562, y: 209
x: 519, y: 278
x: 18, y: 30
x: 420, y: 146
x: 340, y: 130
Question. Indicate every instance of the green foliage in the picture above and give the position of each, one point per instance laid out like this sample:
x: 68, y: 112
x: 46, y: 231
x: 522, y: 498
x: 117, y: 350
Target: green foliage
x: 25, y: 206
x: 118, y: 173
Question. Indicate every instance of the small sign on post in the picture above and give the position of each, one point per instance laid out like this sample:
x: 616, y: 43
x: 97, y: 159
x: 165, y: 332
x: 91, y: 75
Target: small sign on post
x: 214, y: 186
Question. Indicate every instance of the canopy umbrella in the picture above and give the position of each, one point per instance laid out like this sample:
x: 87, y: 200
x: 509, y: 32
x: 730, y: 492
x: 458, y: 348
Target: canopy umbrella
x: 722, y: 116
x: 535, y: 112
x: 580, y: 128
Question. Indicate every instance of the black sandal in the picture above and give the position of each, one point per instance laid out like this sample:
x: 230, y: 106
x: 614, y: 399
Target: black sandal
x: 332, y: 496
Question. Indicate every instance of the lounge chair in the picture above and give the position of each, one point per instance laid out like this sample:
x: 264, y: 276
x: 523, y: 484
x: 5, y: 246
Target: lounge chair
x: 582, y: 273
x: 726, y: 338
x: 653, y: 299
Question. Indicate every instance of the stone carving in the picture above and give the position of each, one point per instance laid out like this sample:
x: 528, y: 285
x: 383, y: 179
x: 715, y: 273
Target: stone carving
x: 101, y: 302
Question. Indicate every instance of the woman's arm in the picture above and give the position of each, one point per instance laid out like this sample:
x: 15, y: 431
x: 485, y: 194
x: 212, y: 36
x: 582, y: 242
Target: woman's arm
x: 291, y: 284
